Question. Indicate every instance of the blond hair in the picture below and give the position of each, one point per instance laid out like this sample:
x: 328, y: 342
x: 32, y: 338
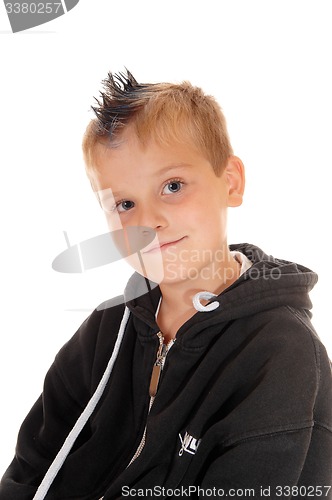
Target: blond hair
x: 164, y: 112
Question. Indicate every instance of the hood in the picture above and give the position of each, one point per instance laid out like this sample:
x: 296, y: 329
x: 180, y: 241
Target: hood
x: 269, y: 283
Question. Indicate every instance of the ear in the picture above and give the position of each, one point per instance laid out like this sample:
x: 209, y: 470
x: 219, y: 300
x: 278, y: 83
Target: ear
x: 235, y: 179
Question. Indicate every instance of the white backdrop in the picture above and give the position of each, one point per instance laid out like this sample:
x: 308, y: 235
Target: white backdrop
x: 267, y: 62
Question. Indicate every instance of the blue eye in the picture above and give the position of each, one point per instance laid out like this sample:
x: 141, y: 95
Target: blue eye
x: 172, y: 187
x: 124, y: 205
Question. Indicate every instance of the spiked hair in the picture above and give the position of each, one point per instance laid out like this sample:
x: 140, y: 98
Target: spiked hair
x: 163, y: 112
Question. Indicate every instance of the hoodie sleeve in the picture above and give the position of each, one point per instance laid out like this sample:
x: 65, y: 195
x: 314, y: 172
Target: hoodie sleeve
x: 284, y: 436
x: 68, y: 386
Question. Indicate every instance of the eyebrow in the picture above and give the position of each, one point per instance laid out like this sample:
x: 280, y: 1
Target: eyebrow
x: 172, y: 167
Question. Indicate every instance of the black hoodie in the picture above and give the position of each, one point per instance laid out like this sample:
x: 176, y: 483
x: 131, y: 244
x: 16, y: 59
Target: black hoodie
x: 243, y: 407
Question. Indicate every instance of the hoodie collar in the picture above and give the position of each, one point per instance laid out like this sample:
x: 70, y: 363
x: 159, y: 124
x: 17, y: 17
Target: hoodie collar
x: 268, y: 283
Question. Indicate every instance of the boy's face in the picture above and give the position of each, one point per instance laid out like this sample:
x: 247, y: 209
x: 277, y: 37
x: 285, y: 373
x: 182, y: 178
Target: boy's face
x: 174, y: 191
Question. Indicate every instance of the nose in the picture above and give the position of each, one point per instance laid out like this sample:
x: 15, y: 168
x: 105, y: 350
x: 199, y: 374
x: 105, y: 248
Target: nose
x: 152, y: 216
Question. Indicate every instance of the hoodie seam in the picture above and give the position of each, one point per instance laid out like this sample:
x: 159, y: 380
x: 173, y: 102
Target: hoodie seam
x: 309, y: 330
x: 316, y: 348
x: 266, y: 433
x: 325, y: 427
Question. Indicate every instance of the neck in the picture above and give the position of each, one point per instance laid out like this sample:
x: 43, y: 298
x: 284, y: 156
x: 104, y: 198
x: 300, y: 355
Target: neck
x: 177, y: 306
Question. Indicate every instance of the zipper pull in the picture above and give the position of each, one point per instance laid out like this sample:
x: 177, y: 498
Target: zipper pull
x: 157, y: 367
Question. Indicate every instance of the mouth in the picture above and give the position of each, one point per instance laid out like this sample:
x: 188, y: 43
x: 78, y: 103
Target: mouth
x: 162, y: 246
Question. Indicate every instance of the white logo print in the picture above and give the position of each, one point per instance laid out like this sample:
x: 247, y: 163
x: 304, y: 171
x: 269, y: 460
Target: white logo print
x: 188, y: 444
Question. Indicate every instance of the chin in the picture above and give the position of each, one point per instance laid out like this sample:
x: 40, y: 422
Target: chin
x: 150, y: 268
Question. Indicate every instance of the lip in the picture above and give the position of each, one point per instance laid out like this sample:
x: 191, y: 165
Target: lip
x: 163, y: 246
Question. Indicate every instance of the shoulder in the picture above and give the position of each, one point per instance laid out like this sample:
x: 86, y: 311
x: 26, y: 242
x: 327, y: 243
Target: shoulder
x: 295, y: 360
x: 103, y: 320
x: 280, y: 347
x: 287, y: 331
x: 282, y: 369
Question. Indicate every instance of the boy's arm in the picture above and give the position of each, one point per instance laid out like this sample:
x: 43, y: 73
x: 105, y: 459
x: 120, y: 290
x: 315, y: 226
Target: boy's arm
x: 41, y: 435
x: 290, y: 453
x: 67, y: 389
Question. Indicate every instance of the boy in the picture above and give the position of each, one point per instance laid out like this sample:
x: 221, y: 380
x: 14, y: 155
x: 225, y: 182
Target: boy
x: 212, y: 383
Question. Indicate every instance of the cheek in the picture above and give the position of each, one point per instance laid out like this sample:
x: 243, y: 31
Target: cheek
x: 208, y: 227
x: 190, y: 209
x: 114, y: 221
x: 203, y: 211
x: 216, y: 223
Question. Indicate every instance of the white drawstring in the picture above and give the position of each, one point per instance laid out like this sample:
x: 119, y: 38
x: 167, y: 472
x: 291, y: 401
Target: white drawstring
x: 88, y: 410
x: 83, y: 418
x: 205, y: 296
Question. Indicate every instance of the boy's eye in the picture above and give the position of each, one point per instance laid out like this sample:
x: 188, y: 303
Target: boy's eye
x: 172, y: 187
x: 125, y: 205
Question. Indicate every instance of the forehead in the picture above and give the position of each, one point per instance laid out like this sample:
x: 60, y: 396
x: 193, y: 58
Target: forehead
x: 128, y: 158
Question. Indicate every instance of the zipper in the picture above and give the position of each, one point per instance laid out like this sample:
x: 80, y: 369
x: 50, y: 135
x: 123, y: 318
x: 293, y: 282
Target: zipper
x: 158, y: 366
